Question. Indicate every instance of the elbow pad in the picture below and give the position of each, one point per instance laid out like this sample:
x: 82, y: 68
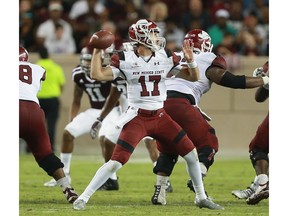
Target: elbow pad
x: 232, y: 81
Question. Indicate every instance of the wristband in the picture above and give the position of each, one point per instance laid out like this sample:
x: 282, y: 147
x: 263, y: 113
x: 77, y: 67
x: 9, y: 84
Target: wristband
x: 192, y: 64
x: 100, y: 119
x: 265, y: 80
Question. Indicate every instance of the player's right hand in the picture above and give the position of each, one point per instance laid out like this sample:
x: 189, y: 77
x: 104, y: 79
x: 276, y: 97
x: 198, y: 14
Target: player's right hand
x: 95, y: 128
x: 258, y: 72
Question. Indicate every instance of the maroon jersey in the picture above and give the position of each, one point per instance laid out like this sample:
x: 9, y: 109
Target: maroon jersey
x: 97, y: 91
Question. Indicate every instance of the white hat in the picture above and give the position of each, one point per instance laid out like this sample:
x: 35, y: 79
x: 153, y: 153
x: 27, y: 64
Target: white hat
x: 222, y: 13
x: 55, y: 6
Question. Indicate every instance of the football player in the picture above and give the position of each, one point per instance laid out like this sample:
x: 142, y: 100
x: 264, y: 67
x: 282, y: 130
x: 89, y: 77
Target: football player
x: 183, y: 98
x: 259, y: 150
x: 80, y: 123
x: 32, y: 126
x: 145, y: 71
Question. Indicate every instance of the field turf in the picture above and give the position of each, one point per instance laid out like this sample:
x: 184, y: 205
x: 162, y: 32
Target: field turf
x: 136, y: 188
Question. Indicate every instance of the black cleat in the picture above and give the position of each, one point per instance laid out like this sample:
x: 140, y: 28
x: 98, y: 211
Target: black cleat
x: 110, y: 184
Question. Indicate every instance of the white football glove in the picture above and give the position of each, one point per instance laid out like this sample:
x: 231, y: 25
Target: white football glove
x: 258, y: 72
x: 95, y: 128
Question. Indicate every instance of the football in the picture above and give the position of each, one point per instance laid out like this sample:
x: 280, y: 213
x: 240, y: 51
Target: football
x: 102, y: 39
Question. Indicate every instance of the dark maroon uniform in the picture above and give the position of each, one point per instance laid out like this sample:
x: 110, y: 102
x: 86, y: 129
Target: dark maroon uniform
x: 97, y: 91
x: 261, y: 139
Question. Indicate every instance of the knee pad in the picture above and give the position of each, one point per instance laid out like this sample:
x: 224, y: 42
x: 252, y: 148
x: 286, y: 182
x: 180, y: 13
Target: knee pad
x: 50, y: 164
x: 165, y: 163
x: 258, y: 154
x: 206, y: 156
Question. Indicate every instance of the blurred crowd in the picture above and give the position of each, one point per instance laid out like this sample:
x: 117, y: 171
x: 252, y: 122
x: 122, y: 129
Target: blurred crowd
x: 238, y: 27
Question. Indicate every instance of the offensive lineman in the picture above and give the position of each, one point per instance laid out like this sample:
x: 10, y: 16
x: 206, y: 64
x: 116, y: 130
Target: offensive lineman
x: 32, y: 126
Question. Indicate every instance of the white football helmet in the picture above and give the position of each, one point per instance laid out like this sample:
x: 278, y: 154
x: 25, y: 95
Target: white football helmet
x: 145, y: 32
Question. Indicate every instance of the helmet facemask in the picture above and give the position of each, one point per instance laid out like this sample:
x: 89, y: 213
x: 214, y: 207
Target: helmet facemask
x: 85, y: 63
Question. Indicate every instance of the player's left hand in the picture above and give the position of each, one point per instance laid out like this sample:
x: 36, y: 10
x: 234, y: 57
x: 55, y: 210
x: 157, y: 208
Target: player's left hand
x: 95, y: 128
x: 187, y: 49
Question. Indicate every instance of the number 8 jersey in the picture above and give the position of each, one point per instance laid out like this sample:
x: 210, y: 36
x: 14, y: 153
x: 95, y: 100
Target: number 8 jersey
x: 30, y: 80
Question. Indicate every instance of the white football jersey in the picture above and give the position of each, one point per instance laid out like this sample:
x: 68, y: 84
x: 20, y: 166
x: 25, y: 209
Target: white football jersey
x: 30, y: 81
x: 198, y: 88
x: 146, y: 87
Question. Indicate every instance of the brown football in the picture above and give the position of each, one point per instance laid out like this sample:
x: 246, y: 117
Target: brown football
x: 102, y: 39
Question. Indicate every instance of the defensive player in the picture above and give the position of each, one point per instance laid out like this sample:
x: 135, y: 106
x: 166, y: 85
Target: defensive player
x: 183, y: 97
x: 145, y: 71
x: 81, y: 123
x: 32, y: 126
x: 259, y: 150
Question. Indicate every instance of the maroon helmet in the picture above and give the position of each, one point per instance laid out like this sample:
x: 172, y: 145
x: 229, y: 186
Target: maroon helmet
x: 201, y: 40
x: 145, y: 32
x: 23, y: 54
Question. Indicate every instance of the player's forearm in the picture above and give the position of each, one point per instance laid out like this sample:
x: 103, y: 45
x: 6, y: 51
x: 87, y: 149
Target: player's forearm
x: 97, y: 71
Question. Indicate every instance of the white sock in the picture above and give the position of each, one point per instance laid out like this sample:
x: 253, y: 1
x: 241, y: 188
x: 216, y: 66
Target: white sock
x: 66, y: 160
x: 63, y: 183
x: 113, y: 176
x: 194, y: 171
x: 262, y: 179
x: 162, y: 180
x: 100, y: 177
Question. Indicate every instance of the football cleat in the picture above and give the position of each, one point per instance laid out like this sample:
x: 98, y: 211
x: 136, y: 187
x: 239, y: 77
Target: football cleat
x: 190, y: 185
x: 159, y: 196
x: 207, y: 203
x: 244, y: 194
x: 79, y: 204
x: 261, y: 193
x: 70, y: 195
x: 109, y: 185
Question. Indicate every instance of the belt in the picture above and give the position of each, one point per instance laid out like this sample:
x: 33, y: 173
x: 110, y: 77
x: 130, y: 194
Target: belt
x: 149, y: 112
x: 175, y: 94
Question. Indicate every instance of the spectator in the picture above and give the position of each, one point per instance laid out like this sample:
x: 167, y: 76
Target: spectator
x: 174, y: 35
x: 250, y: 37
x: 227, y: 48
x: 158, y: 13
x: 196, y: 17
x: 86, y: 17
x: 49, y: 95
x: 26, y: 24
x: 236, y: 14
x: 55, y: 33
x: 221, y: 27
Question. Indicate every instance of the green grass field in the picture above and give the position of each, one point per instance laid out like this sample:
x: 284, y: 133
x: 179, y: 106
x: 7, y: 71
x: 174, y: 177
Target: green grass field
x: 136, y: 188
